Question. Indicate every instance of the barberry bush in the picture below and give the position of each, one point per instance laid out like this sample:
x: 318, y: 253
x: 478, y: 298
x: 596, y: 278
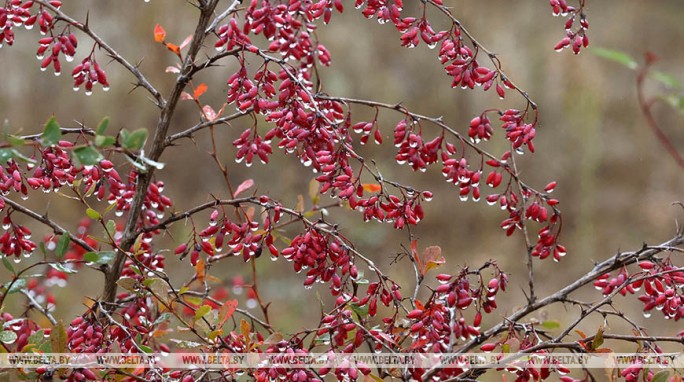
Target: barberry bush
x: 271, y: 68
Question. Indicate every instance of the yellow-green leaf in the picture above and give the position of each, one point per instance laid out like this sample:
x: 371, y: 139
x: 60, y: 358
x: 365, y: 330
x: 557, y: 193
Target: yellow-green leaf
x: 93, y: 214
x: 202, y: 311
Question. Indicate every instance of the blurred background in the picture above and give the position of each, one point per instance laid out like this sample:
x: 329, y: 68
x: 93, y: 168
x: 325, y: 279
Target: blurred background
x: 616, y: 183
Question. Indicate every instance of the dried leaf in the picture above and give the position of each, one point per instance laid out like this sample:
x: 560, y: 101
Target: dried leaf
x: 159, y: 33
x: 201, y: 89
x: 58, y: 338
x: 300, y: 203
x: 432, y: 258
x: 244, y: 186
x: 314, y: 194
x: 244, y: 328
x: 200, y: 269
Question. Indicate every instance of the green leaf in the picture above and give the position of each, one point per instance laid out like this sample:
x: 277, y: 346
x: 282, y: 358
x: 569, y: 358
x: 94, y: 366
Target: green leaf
x: 8, y: 336
x: 88, y: 155
x: 58, y: 338
x: 145, y: 348
x: 661, y: 376
x: 162, y: 318
x: 62, y: 245
x: 99, y: 258
x: 202, y: 311
x: 110, y: 226
x: 104, y: 141
x: 16, y: 286
x: 6, y: 155
x: 361, y: 311
x: 8, y: 265
x: 37, y: 338
x: 186, y: 344
x: 551, y: 324
x: 616, y: 56
x: 15, y: 141
x: 666, y: 79
x: 134, y: 140
x: 102, y: 126
x: 93, y: 214
x: 62, y: 268
x: 16, y: 154
x: 52, y: 132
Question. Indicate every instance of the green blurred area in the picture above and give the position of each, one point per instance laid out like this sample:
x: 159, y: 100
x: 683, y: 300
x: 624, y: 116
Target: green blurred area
x: 616, y: 183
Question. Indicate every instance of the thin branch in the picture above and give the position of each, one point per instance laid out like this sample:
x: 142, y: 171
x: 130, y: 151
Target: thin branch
x: 85, y: 28
x: 222, y: 16
x: 56, y: 228
x: 614, y: 262
x: 203, y: 125
x: 43, y: 310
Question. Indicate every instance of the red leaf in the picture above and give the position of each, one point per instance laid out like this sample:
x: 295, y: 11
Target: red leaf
x: 159, y: 33
x: 246, y: 185
x: 174, y: 48
x: 200, y: 90
x: 227, y: 311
